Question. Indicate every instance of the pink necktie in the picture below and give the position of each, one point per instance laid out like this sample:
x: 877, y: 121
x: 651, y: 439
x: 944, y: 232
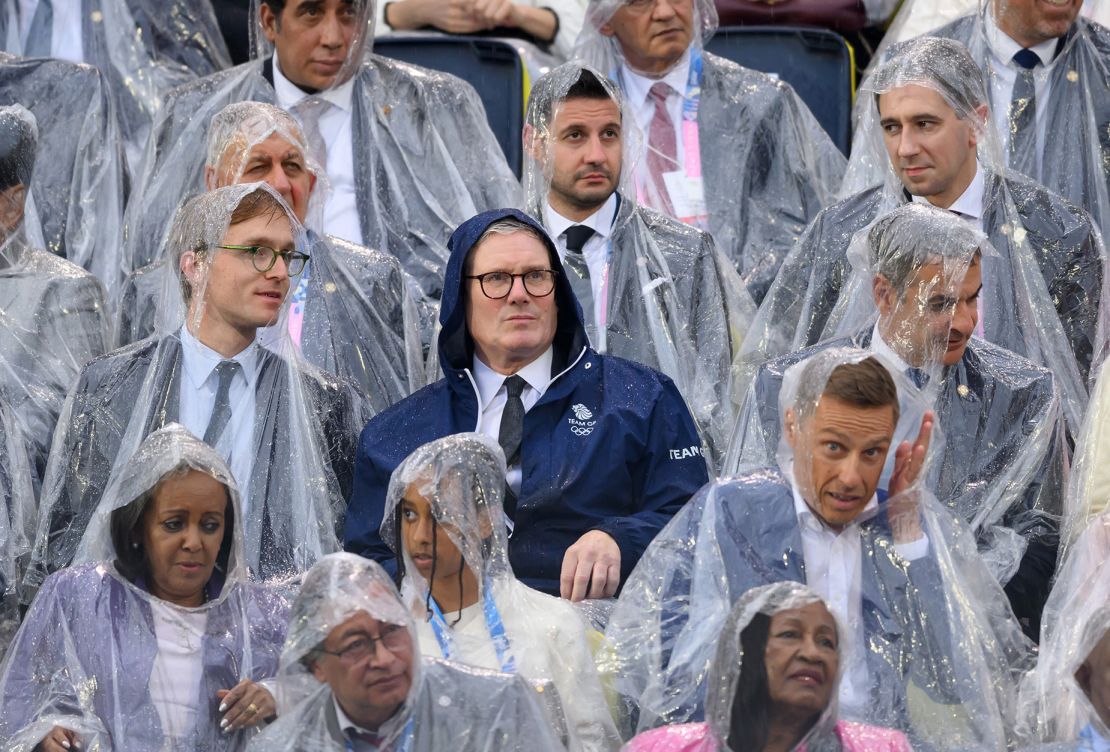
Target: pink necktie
x: 662, y: 155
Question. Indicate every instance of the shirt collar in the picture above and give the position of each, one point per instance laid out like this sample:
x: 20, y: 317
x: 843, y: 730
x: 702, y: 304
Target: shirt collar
x: 601, y: 221
x: 289, y: 94
x: 537, y: 374
x: 346, y: 725
x: 970, y: 202
x: 639, y: 86
x: 885, y: 352
x: 199, y: 360
x: 1004, y: 46
x: 807, y: 518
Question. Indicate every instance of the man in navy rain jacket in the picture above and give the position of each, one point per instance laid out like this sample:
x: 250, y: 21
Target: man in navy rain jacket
x: 604, y: 451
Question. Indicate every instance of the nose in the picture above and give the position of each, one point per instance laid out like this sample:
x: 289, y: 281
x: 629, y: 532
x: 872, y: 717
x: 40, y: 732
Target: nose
x: 518, y: 293
x: 849, y: 472
x: 191, y: 541
x: 810, y: 651
x: 280, y: 269
x: 422, y: 531
x: 664, y: 10
x: 966, y: 317
x: 279, y: 181
x: 331, y: 32
x: 907, y: 144
x: 380, y: 656
x: 596, y: 152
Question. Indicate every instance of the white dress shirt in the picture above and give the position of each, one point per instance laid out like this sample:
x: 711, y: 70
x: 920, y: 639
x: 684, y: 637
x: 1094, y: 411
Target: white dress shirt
x: 177, y: 667
x: 1004, y: 73
x: 637, y: 90
x: 66, y: 42
x: 833, y: 568
x: 198, y: 399
x: 596, y: 252
x: 493, y: 395
x: 341, y: 206
x: 350, y: 728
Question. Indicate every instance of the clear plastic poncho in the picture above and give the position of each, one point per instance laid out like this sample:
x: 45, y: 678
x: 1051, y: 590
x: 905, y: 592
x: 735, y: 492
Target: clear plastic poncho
x: 1001, y: 464
x: 512, y: 627
x: 291, y: 433
x: 53, y: 317
x: 1054, y: 706
x: 94, y: 652
x: 353, y: 314
x: 448, y: 706
x: 930, y: 645
x: 17, y: 518
x: 1088, y: 483
x: 143, y: 48
x: 78, y: 191
x: 672, y: 301
x: 424, y: 158
x: 1043, y: 287
x: 1069, y: 95
x: 764, y: 164
x: 728, y: 677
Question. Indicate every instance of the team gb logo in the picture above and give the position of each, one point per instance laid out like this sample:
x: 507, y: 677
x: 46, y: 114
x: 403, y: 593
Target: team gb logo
x: 582, y: 424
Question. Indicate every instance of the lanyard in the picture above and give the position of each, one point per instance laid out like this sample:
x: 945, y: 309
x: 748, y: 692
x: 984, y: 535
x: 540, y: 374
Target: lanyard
x: 296, y: 309
x: 406, y: 739
x: 494, y: 625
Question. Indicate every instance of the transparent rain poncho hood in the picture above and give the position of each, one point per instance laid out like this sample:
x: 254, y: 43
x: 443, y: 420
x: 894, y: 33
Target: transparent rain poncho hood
x: 1054, y: 706
x: 447, y: 706
x: 93, y: 653
x: 1069, y: 95
x: 352, y: 316
x: 1000, y: 463
x: 930, y: 645
x: 291, y: 432
x: 1042, y: 288
x: 52, y: 312
x: 142, y: 48
x: 672, y: 301
x: 75, y: 207
x: 737, y: 122
x: 521, y: 630
x: 424, y: 158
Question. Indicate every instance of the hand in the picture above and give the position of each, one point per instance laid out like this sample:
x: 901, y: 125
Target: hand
x: 493, y: 13
x: 458, y: 17
x: 246, y: 704
x: 59, y: 740
x: 909, y: 461
x: 591, y: 567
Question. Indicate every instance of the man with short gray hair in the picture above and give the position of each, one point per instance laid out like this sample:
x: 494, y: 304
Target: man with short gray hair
x: 601, y: 452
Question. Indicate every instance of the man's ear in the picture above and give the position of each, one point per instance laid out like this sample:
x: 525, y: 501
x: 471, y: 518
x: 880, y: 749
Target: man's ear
x: 607, y: 30
x: 532, y: 142
x: 269, y: 22
x: 190, y: 267
x: 790, y: 427
x: 883, y: 293
x: 210, y: 178
x: 981, y: 114
x: 319, y: 672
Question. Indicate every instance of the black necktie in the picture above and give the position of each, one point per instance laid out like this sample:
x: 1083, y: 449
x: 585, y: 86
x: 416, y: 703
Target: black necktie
x: 511, y: 432
x: 918, y: 376
x: 1023, y: 114
x: 221, y: 409
x: 577, y: 236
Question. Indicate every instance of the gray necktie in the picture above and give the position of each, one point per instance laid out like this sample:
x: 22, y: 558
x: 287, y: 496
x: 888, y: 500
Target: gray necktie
x: 221, y: 409
x: 577, y: 236
x: 511, y: 432
x: 40, y: 38
x: 1023, y: 114
x: 309, y: 111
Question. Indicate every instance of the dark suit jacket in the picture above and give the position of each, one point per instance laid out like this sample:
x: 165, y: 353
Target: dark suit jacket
x: 102, y: 411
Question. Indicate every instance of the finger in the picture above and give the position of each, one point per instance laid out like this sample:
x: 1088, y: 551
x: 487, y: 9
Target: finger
x: 233, y: 695
x: 243, y: 713
x: 581, y: 580
x: 613, y: 580
x: 599, y: 577
x: 566, y: 575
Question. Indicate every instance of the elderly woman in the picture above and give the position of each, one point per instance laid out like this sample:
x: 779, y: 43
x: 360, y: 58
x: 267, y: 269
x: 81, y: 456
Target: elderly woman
x: 153, y: 639
x: 772, y: 686
x: 444, y: 520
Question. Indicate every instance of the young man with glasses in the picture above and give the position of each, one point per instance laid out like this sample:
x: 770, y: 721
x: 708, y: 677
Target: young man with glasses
x: 601, y: 452
x: 286, y: 430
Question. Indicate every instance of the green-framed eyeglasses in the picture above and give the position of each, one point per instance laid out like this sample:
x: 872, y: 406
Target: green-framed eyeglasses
x: 264, y: 257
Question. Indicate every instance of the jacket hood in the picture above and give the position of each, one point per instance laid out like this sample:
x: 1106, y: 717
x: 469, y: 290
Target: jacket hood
x: 456, y: 348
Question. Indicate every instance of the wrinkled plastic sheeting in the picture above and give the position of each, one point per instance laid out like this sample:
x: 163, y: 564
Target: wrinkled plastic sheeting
x: 297, y: 476
x: 943, y: 648
x: 86, y: 656
x: 768, y: 166
x: 463, y: 479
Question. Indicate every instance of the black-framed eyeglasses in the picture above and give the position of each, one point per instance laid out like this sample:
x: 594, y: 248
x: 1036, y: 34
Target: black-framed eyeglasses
x: 393, y: 637
x: 264, y: 257
x: 496, y: 285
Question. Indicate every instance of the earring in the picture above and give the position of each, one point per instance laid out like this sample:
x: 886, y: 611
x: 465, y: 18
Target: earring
x: 135, y: 545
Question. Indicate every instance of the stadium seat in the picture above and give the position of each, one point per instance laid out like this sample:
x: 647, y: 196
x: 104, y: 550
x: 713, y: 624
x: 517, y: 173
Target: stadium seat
x: 491, y: 66
x: 818, y: 63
